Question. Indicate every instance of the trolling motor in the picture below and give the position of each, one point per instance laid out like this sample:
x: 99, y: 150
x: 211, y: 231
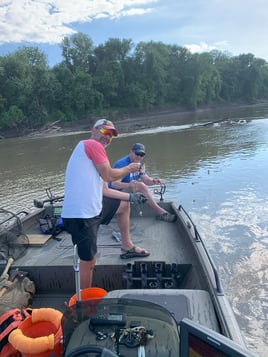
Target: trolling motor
x: 51, y: 199
x: 51, y: 222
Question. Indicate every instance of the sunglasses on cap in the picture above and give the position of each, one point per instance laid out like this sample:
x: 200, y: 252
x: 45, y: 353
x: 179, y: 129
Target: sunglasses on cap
x: 106, y: 132
x: 141, y: 154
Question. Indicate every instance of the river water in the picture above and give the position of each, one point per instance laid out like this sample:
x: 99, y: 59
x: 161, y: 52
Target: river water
x: 218, y: 172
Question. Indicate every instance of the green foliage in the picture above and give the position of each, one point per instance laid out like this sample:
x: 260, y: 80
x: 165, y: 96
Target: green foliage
x: 118, y: 76
x: 77, y: 52
x: 12, y: 118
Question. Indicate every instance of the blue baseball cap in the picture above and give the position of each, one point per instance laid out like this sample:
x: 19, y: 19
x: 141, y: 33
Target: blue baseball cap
x: 138, y: 148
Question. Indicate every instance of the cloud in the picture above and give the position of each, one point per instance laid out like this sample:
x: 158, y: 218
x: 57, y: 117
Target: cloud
x: 235, y: 27
x: 48, y: 21
x: 204, y: 47
x: 201, y: 47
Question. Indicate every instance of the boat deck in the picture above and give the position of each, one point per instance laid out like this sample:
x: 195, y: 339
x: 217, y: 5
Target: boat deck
x: 160, y: 238
x: 166, y: 242
x: 172, y: 265
x: 178, y: 275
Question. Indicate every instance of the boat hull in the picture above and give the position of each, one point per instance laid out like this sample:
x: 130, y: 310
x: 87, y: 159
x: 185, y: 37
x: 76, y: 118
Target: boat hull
x: 179, y: 274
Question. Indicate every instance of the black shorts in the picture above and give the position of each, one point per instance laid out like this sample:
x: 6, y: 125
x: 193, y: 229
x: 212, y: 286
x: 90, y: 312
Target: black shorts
x: 109, y: 208
x: 84, y: 230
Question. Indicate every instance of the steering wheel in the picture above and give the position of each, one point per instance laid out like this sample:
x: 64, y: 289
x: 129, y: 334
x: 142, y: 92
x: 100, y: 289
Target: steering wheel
x: 82, y: 350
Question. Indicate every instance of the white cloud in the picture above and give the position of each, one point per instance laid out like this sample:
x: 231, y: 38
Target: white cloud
x: 48, y: 21
x: 236, y: 27
x: 201, y: 47
x: 204, y: 47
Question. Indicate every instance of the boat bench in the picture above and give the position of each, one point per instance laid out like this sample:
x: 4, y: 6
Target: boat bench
x: 193, y: 304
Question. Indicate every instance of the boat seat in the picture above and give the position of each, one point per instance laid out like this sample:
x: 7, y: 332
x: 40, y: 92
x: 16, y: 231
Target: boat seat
x: 193, y: 304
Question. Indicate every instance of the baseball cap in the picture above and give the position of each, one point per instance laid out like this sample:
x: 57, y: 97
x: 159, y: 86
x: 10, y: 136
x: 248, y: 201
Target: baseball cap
x: 106, y: 124
x: 138, y: 148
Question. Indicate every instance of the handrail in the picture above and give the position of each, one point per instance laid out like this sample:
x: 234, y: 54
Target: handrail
x: 219, y: 289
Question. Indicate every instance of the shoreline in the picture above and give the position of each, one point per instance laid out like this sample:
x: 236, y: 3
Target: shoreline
x: 131, y: 123
x: 182, y: 116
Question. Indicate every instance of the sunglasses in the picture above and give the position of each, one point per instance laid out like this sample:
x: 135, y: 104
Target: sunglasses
x: 106, y: 132
x: 141, y: 154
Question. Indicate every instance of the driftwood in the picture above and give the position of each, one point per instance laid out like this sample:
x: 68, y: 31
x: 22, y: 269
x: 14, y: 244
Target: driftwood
x: 50, y: 127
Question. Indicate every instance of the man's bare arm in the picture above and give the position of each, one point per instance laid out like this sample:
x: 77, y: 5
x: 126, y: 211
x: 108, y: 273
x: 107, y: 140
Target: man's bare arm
x: 108, y: 174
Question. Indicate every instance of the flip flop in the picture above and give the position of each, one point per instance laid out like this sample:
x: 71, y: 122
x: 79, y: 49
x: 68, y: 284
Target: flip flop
x: 131, y: 253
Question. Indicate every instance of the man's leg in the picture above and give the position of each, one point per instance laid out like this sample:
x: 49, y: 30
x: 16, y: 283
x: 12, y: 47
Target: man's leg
x: 123, y: 221
x: 141, y: 187
x: 84, y: 234
x: 151, y: 202
x: 86, y: 273
x: 161, y: 214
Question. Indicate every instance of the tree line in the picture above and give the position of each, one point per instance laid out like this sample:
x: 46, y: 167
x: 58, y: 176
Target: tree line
x: 121, y: 77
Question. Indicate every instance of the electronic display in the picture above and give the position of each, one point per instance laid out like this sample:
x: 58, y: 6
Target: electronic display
x: 199, y: 341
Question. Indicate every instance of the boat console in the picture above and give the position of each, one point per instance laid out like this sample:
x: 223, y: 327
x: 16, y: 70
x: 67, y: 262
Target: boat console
x: 129, y: 327
x: 123, y: 327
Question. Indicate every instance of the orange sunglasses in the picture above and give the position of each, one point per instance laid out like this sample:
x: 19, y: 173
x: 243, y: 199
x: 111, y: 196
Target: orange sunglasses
x: 106, y: 132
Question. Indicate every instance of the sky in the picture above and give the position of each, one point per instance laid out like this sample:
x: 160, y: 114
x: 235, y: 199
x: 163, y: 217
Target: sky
x: 232, y: 26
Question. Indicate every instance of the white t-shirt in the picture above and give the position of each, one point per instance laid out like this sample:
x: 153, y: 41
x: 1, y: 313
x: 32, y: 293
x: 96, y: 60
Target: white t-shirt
x: 83, y: 184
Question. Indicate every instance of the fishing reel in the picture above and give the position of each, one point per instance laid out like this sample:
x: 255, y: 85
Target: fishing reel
x: 133, y: 336
x: 160, y: 191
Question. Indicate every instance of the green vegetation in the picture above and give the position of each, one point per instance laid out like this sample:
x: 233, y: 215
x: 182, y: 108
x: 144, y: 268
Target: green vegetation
x: 118, y: 77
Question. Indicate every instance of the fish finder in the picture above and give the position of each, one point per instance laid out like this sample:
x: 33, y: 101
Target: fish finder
x: 199, y: 341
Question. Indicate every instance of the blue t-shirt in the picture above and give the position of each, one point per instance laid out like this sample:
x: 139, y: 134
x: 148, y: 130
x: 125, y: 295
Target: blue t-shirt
x: 125, y: 161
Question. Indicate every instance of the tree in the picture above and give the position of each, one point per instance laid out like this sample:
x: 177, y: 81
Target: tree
x: 12, y: 118
x: 28, y: 84
x: 77, y: 52
x: 109, y: 76
x: 64, y: 90
x: 179, y: 59
x: 209, y: 80
x: 152, y: 61
x: 118, y: 76
x: 225, y: 66
x: 249, y: 76
x: 86, y: 98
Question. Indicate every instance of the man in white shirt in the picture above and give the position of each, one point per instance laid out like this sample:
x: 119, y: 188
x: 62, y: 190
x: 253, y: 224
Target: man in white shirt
x: 87, y: 172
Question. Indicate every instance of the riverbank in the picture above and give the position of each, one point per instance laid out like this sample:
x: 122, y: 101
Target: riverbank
x: 163, y: 118
x: 147, y: 120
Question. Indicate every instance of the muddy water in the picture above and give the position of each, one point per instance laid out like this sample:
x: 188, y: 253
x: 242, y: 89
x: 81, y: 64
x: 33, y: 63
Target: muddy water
x: 218, y: 172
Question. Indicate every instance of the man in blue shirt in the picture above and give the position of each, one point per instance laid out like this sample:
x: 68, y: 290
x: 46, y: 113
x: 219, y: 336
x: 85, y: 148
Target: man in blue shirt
x: 139, y: 181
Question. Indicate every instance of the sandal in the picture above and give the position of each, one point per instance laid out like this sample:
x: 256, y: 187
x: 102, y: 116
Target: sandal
x: 132, y: 253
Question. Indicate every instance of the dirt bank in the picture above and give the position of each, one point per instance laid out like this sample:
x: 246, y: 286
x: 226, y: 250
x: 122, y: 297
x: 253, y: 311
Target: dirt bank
x: 139, y: 122
x: 166, y: 117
